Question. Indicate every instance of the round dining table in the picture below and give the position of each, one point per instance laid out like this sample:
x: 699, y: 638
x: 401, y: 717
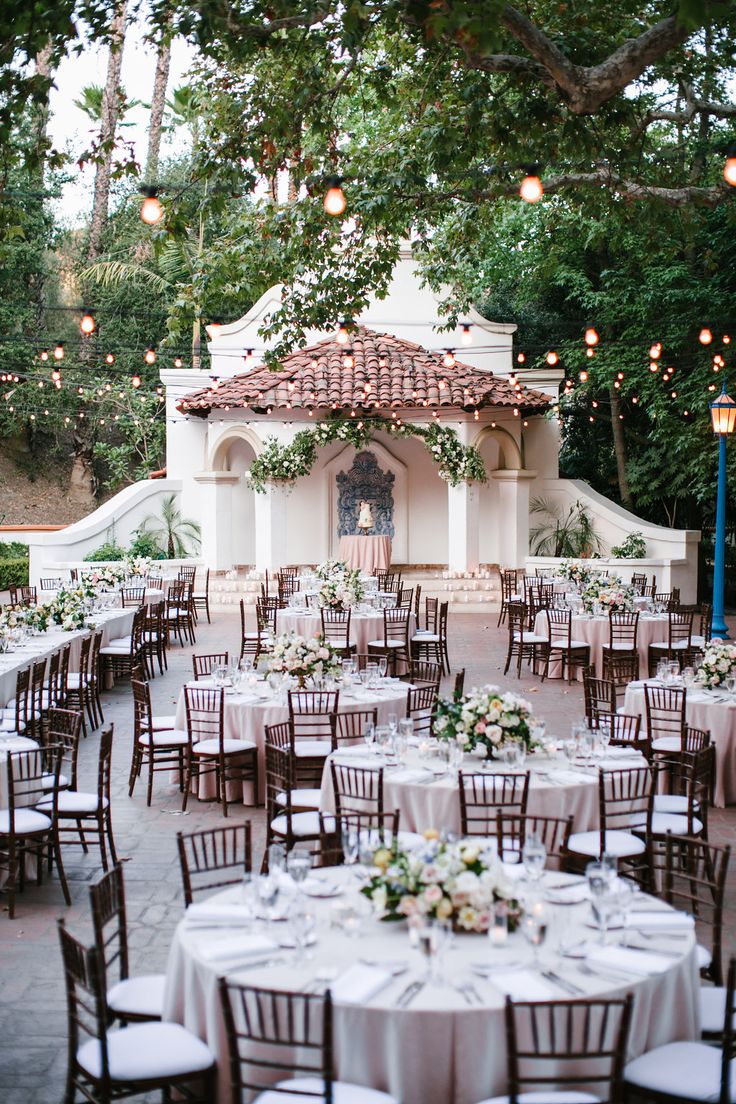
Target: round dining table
x: 595, y: 632
x: 249, y: 711
x: 713, y: 711
x: 364, y: 627
x: 427, y: 795
x: 446, y: 1044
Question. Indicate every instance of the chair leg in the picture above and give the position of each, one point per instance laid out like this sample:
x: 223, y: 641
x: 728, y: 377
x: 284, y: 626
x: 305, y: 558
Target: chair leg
x: 60, y: 868
x: 149, y: 787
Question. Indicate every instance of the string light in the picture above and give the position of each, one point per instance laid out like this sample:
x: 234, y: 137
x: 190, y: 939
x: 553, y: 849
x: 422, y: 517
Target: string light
x: 729, y: 169
x: 726, y: 339
x: 653, y: 366
x: 213, y: 329
x: 590, y: 352
x: 178, y: 362
x: 87, y: 324
x: 341, y: 337
x: 151, y: 209
x: 655, y: 351
x: 110, y: 359
x: 466, y: 336
x: 448, y: 359
x: 520, y: 358
x: 56, y: 375
x: 334, y: 201
x: 531, y: 190
x: 591, y: 336
x: 44, y: 355
x: 150, y: 355
x: 59, y: 351
x: 705, y: 336
x: 136, y: 381
x: 583, y: 376
x: 348, y: 360
x: 249, y: 358
x: 552, y: 357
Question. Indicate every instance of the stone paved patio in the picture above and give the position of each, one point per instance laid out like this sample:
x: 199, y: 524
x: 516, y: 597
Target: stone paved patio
x: 32, y: 1002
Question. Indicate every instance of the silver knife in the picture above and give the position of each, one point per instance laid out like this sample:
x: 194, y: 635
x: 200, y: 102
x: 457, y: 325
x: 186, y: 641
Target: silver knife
x: 561, y: 983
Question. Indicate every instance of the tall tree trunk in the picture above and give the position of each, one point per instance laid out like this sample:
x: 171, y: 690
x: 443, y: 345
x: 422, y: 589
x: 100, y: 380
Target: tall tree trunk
x: 158, y: 103
x: 108, y: 126
x: 619, y: 447
x: 43, y: 63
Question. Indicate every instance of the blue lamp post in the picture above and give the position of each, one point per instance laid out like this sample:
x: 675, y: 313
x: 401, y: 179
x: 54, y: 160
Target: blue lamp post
x: 723, y: 416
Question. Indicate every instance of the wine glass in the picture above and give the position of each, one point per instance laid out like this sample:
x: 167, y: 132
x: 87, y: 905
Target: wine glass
x: 382, y: 666
x: 534, y: 925
x: 406, y: 729
x: 393, y: 723
x: 298, y: 865
x: 267, y: 889
x: 534, y: 857
x: 350, y: 846
x: 369, y: 735
x: 276, y: 857
x: 432, y: 939
x: 383, y: 737
x: 600, y: 877
x: 303, y: 923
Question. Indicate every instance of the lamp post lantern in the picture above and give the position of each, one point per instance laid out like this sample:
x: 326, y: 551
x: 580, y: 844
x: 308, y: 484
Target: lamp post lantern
x: 723, y: 417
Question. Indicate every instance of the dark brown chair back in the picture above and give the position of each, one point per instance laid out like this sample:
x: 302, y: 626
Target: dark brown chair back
x: 224, y: 852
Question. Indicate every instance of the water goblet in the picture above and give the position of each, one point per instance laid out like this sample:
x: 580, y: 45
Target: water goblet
x: 369, y: 735
x: 267, y: 889
x: 534, y: 925
x: 246, y: 664
x: 383, y: 737
x: 276, y: 857
x: 534, y: 857
x: 303, y: 922
x: 298, y: 865
x: 350, y: 846
x: 393, y: 723
x: 432, y: 939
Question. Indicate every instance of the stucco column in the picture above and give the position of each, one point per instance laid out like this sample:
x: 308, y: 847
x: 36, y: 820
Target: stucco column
x: 513, y: 515
x: 270, y: 515
x: 216, y: 517
x: 463, y: 527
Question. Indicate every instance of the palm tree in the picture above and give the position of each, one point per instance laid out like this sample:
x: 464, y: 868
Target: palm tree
x: 183, y: 110
x: 562, y: 533
x: 158, y: 102
x: 109, y: 115
x: 172, y: 530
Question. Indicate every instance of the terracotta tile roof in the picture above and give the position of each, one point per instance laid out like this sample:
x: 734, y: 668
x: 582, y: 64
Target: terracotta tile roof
x: 388, y: 373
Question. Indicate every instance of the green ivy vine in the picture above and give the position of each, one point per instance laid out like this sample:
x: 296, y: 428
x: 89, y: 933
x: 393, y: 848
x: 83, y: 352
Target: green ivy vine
x: 279, y: 463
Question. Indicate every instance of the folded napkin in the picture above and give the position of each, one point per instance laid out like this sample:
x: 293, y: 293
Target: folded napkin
x: 211, y: 913
x: 359, y: 983
x: 239, y: 947
x: 660, y: 920
x: 573, y: 894
x: 318, y: 887
x: 522, y: 985
x: 629, y: 960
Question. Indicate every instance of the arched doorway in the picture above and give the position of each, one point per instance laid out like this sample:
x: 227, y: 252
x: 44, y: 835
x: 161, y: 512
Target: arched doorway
x: 235, y: 453
x: 498, y: 449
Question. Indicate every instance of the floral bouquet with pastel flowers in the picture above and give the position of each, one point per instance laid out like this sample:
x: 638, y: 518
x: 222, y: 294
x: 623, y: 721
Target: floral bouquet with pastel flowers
x: 487, y: 718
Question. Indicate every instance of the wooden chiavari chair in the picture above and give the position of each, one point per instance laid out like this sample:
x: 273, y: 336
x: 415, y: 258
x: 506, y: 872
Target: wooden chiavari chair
x: 482, y: 795
x: 209, y: 752
x: 225, y: 853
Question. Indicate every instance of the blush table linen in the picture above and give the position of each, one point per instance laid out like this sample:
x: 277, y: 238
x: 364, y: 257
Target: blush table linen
x: 247, y: 716
x: 439, y: 1050
x: 364, y: 627
x: 368, y: 554
x: 715, y: 712
x: 554, y: 790
x: 595, y: 631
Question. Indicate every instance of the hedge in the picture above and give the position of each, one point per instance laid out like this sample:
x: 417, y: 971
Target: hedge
x: 13, y: 573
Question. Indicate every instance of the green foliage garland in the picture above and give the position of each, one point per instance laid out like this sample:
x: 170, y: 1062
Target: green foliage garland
x: 286, y: 463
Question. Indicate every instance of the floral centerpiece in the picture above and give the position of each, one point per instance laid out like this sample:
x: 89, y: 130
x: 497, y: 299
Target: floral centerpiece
x: 340, y: 585
x: 486, y: 718
x: 611, y: 594
x: 719, y: 662
x: 302, y: 659
x: 107, y: 577
x: 137, y: 566
x: 70, y: 607
x: 575, y: 572
x: 458, y: 882
x: 35, y: 618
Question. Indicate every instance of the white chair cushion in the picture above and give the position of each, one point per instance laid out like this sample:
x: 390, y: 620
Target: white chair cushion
x: 667, y: 743
x: 230, y: 747
x: 573, y: 644
x: 303, y: 799
x: 147, y: 1052
x: 141, y: 996
x: 27, y: 821
x: 425, y: 638
x: 619, y: 646
x: 302, y: 824
x: 75, y: 681
x: 712, y: 1008
x: 173, y: 613
x: 618, y: 843
x: 8, y: 725
x: 149, y: 637
x: 676, y: 644
x: 697, y: 641
x: 670, y: 803
x: 255, y: 635
x: 73, y: 803
x: 171, y: 737
x: 547, y: 1098
x: 168, y: 720
x: 675, y: 823
x: 387, y: 643
x: 529, y: 638
x: 690, y: 1071
x: 342, y: 1093
x: 119, y: 642
x: 113, y: 651
x: 312, y: 749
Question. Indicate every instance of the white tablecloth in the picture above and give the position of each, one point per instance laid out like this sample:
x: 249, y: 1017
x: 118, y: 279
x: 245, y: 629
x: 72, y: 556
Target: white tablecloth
x: 114, y: 623
x: 712, y: 712
x: 595, y: 631
x: 364, y: 627
x: 555, y: 789
x: 439, y: 1050
x: 246, y: 718
x: 369, y: 554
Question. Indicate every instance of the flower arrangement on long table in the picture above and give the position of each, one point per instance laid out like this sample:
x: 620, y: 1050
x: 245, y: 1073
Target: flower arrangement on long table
x: 457, y: 882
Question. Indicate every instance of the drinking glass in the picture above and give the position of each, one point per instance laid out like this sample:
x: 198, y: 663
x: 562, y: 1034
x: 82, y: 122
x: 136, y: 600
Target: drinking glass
x: 347, y: 670
x: 369, y: 735
x: 455, y: 756
x: 730, y: 684
x: 372, y: 671
x: 674, y: 667
x: 393, y: 723
x: 303, y: 923
x: 406, y: 728
x: 350, y: 846
x: 382, y: 666
x: 688, y: 678
x: 498, y: 931
x: 276, y: 857
x: 267, y: 889
x: 534, y: 924
x: 383, y: 737
x: 433, y: 938
x: 534, y: 857
x: 601, y: 877
x: 298, y: 865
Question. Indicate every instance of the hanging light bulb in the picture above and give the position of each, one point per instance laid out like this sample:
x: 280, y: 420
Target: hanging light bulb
x: 655, y: 351
x: 512, y: 379
x: 552, y: 357
x: 591, y: 336
x: 348, y: 360
x: 334, y: 201
x: 56, y: 375
x: 583, y: 376
x: 150, y: 355
x: 109, y: 359
x: 448, y: 360
x: 653, y: 366
x: 466, y: 336
x: 151, y: 209
x: 87, y: 324
x: 136, y: 381
x: 590, y: 352
x: 44, y: 355
x: 249, y: 358
x: 178, y: 362
x: 341, y: 337
x: 726, y: 339
x: 59, y: 351
x: 729, y: 169
x: 213, y: 328
x: 705, y: 336
x: 520, y: 358
x: 531, y: 190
